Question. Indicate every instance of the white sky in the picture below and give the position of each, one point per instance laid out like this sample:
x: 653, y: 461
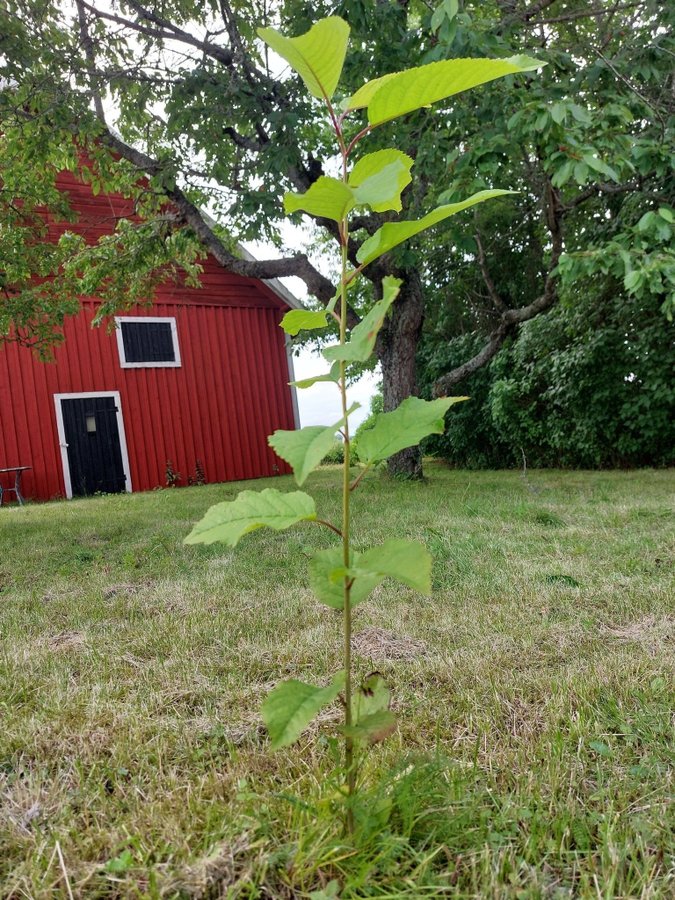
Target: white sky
x: 319, y: 404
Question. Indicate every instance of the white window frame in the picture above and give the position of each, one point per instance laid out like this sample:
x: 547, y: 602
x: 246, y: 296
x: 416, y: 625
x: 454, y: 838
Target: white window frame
x: 62, y: 435
x: 176, y: 364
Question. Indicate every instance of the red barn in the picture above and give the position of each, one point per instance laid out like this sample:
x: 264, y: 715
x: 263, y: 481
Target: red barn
x: 198, y: 380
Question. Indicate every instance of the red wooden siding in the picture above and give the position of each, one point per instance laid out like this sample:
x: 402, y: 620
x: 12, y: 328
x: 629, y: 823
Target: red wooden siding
x: 218, y: 407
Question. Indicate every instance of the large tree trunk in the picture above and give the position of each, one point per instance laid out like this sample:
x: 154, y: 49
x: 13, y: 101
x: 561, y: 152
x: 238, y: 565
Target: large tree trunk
x: 397, y: 349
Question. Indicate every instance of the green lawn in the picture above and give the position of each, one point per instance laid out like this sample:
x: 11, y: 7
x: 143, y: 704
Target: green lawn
x: 535, y: 693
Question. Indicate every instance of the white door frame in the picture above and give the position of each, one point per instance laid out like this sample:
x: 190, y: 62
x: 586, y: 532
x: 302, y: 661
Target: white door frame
x: 62, y: 435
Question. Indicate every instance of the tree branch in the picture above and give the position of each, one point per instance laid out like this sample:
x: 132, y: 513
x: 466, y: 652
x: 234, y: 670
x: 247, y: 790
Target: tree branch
x: 90, y: 55
x: 593, y: 12
x: 629, y: 84
x: 487, y: 278
x: 298, y: 265
x: 602, y: 188
x: 164, y: 30
x: 512, y: 318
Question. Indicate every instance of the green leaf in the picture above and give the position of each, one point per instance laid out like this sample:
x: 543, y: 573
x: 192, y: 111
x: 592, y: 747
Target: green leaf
x: 600, y: 748
x: 372, y: 720
x: 330, y: 892
x: 372, y: 696
x: 304, y: 449
x: 230, y: 521
x: 379, y: 178
x: 581, y: 173
x: 333, y: 375
x: 327, y: 198
x: 580, y: 114
x: 290, y: 707
x: 374, y: 728
x: 327, y: 575
x: 558, y: 113
x: 437, y: 19
x: 405, y: 427
x: 366, y: 93
x: 317, y: 56
x: 402, y: 92
x: 406, y: 561
x: 303, y: 320
x: 599, y: 166
x: 364, y: 334
x: 632, y: 280
x: 451, y: 8
x: 391, y: 234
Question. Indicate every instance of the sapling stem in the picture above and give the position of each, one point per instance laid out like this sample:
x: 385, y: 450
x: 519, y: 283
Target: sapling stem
x: 347, y: 610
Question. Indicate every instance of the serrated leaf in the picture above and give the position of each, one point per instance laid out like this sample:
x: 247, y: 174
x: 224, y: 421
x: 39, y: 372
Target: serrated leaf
x: 379, y: 178
x: 375, y: 162
x: 304, y: 448
x: 228, y: 522
x: 317, y: 56
x: 406, y: 561
x: 366, y: 92
x: 327, y: 198
x: 372, y: 696
x: 333, y: 375
x: 327, y: 575
x: 290, y: 707
x: 363, y: 336
x: 402, y: 92
x: 297, y: 320
x: 391, y: 234
x: 404, y: 427
x: 372, y: 729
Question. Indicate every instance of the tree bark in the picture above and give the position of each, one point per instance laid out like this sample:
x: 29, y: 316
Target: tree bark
x: 397, y: 349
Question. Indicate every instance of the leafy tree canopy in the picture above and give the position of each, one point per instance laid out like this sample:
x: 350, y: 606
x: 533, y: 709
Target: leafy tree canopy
x: 186, y: 96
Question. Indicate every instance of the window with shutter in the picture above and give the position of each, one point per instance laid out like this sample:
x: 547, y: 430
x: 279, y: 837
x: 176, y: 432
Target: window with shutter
x: 147, y: 341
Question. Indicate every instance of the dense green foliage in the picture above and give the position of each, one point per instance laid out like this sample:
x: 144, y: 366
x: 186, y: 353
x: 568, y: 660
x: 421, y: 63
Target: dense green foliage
x: 471, y: 439
x: 589, y: 385
x: 589, y: 240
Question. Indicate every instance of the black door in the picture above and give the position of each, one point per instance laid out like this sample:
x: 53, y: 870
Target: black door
x: 93, y: 439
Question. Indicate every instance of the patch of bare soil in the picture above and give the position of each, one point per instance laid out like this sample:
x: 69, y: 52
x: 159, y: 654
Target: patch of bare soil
x: 116, y: 589
x: 210, y: 876
x: 66, y: 640
x: 378, y: 643
x: 654, y: 633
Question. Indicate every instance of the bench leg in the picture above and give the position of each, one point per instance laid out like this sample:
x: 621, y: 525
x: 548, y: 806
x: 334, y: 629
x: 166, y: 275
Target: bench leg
x: 17, y: 488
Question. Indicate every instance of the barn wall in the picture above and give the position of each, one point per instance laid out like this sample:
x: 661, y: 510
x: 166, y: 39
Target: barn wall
x: 218, y: 407
x: 229, y: 394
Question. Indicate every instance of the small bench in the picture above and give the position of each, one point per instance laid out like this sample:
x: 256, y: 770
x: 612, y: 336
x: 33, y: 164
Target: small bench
x: 16, y: 489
